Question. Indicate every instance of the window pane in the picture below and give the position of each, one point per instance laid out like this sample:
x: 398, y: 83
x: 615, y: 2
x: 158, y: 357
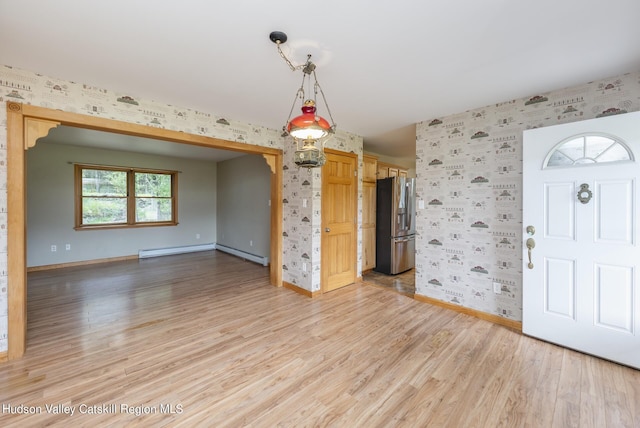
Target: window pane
x: 615, y: 153
x: 98, y: 182
x: 153, y: 185
x: 104, y: 210
x: 573, y: 148
x: 153, y: 209
x: 597, y: 144
x: 583, y: 161
x: 588, y: 149
x: 559, y: 158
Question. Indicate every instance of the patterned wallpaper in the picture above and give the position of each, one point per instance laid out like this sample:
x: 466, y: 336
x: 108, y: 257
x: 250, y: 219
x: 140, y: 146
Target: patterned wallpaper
x: 301, y: 225
x: 469, y: 177
x: 468, y: 166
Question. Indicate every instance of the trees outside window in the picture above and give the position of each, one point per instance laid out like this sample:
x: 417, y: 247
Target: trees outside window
x: 124, y: 197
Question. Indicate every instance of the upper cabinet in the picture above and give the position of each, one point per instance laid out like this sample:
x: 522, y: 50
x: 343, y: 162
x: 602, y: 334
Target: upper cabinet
x: 369, y: 168
x: 386, y: 170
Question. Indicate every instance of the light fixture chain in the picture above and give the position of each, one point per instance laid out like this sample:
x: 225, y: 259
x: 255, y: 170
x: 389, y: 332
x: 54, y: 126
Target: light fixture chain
x: 333, y: 124
x: 299, y: 94
x: 309, y: 129
x: 284, y: 57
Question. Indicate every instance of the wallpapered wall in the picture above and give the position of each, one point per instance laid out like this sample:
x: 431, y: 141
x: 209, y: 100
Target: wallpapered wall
x: 469, y: 175
x: 301, y: 226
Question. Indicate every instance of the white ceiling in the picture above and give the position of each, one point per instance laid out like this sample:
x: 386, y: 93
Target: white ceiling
x: 383, y: 65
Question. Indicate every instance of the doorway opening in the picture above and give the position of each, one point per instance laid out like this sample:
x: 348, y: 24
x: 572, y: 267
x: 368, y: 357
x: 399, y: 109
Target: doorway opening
x: 26, y: 123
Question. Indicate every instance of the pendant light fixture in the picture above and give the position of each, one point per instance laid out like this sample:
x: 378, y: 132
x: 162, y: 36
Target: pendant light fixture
x: 309, y: 130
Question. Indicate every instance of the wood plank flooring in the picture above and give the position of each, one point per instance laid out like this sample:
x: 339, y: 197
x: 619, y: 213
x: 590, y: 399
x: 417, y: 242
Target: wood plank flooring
x: 403, y: 283
x: 205, y: 334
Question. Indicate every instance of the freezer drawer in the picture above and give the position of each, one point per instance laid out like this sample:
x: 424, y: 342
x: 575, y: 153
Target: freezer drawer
x: 403, y: 254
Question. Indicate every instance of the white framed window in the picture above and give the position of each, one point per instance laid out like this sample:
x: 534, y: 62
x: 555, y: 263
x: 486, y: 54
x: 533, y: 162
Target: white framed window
x: 586, y: 149
x: 115, y: 197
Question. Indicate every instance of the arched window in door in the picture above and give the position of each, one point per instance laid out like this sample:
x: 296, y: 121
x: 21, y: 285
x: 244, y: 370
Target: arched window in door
x: 587, y: 149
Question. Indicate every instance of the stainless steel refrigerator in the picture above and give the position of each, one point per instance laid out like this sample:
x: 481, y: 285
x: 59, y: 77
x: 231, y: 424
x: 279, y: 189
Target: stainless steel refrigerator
x: 395, y: 225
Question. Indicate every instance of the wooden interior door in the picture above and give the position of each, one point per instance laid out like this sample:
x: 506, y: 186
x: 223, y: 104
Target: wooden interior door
x: 369, y: 180
x: 339, y: 220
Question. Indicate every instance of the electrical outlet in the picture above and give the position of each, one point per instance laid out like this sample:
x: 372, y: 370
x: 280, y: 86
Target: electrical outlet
x: 497, y: 288
x: 67, y: 247
x: 251, y: 243
x: 197, y: 236
x: 54, y: 248
x: 304, y: 267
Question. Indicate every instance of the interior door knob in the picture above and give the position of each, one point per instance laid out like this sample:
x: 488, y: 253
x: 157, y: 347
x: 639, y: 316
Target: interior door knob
x: 326, y: 229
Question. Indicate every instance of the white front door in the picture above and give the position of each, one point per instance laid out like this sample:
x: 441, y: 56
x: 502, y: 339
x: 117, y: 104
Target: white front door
x: 580, y: 194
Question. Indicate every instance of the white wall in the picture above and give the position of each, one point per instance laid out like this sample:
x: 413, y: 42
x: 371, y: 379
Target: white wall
x: 243, y: 219
x: 50, y: 206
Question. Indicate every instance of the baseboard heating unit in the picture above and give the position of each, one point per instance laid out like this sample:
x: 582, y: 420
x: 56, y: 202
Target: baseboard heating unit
x: 264, y: 261
x: 143, y: 254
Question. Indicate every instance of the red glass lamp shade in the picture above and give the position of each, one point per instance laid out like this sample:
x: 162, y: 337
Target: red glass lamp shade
x: 308, y: 126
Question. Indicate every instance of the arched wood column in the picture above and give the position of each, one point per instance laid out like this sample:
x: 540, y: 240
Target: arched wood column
x: 275, y: 164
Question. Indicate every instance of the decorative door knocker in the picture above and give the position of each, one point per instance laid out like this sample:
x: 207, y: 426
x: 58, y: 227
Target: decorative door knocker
x: 584, y: 194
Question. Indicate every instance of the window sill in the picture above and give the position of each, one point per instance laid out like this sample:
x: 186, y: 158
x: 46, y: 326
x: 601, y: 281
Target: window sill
x: 124, y: 226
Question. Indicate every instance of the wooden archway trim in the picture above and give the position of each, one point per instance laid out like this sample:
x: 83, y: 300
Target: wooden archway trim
x: 27, y: 123
x: 16, y: 245
x: 36, y: 128
x: 271, y: 161
x: 275, y: 164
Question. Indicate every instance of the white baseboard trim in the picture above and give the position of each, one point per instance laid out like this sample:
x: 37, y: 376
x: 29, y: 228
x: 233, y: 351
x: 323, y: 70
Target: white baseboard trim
x: 143, y: 254
x: 264, y: 261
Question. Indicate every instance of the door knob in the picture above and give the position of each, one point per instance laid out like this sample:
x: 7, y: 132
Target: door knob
x: 326, y: 229
x: 531, y: 244
x: 531, y: 230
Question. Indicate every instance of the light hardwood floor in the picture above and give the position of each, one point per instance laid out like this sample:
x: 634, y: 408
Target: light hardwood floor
x: 206, y: 332
x: 403, y: 283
